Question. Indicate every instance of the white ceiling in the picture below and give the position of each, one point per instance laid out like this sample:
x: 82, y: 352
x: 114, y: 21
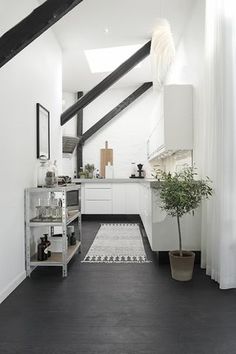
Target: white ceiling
x: 129, y: 22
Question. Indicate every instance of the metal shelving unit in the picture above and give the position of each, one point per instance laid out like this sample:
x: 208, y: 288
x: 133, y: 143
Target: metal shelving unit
x: 34, y: 227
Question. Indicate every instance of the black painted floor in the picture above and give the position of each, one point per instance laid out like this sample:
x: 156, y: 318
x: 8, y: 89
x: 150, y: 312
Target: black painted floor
x: 117, y: 309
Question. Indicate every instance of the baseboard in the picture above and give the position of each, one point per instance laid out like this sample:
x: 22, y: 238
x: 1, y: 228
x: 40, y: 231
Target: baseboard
x: 163, y: 257
x: 12, y: 286
x: 112, y: 217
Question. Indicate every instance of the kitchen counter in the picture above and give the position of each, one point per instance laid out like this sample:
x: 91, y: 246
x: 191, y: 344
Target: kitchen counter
x: 114, y: 180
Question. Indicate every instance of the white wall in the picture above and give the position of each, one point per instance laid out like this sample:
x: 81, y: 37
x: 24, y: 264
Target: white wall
x: 188, y: 68
x: 126, y: 134
x: 34, y: 75
x: 70, y: 129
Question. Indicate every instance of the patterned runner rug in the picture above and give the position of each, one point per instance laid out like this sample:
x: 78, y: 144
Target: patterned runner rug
x: 117, y: 243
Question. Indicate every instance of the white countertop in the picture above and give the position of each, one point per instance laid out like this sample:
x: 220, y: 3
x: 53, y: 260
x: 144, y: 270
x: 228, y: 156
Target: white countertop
x: 114, y: 180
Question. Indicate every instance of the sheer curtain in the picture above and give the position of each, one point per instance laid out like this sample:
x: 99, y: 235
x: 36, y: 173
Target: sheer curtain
x: 219, y: 136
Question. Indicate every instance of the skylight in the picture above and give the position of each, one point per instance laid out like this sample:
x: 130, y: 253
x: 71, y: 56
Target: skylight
x: 108, y: 59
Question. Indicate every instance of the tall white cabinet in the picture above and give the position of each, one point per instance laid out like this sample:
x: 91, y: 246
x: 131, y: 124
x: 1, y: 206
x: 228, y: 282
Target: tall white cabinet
x: 174, y: 127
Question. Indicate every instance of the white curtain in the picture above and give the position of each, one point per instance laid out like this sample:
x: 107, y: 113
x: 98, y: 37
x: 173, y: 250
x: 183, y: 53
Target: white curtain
x: 219, y: 214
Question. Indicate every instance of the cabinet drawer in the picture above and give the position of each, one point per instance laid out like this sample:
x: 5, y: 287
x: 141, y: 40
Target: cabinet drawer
x: 98, y: 185
x: 98, y: 207
x: 98, y: 194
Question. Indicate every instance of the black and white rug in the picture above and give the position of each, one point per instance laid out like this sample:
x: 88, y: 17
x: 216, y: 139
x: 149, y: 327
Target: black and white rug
x: 117, y: 243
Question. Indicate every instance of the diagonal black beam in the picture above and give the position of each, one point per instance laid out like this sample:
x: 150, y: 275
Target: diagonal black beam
x: 79, y: 156
x: 106, y: 83
x: 121, y: 106
x: 32, y: 26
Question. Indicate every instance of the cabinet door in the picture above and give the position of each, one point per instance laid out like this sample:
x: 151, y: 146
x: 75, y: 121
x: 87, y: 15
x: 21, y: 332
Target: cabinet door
x: 98, y: 207
x: 118, y: 198
x: 156, y: 140
x: 98, y: 194
x: 148, y: 212
x: 146, y: 209
x: 97, y: 198
x: 125, y: 198
x: 165, y: 232
x: 178, y: 108
x: 132, y: 198
x: 141, y: 202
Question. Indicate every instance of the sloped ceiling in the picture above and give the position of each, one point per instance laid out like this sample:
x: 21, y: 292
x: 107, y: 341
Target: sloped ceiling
x: 128, y: 21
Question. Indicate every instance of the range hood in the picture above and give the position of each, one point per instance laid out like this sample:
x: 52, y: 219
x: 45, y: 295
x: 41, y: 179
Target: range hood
x: 69, y: 144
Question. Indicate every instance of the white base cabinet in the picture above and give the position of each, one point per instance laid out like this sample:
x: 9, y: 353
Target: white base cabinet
x: 140, y: 198
x: 112, y: 198
x: 125, y: 198
x: 161, y: 229
x: 145, y: 208
x: 97, y: 198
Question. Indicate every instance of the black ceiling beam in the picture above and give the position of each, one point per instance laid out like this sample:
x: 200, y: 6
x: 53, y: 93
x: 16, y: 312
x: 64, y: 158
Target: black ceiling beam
x: 106, y: 83
x: 32, y: 26
x: 79, y: 155
x: 121, y: 106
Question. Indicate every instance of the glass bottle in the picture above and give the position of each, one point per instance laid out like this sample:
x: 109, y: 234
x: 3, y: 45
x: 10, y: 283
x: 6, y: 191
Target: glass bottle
x: 59, y: 208
x: 39, y: 212
x: 54, y: 206
x: 47, y: 243
x: 55, y: 171
x: 41, y: 255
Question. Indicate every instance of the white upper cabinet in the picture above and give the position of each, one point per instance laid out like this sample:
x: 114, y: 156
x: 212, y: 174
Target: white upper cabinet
x: 174, y: 128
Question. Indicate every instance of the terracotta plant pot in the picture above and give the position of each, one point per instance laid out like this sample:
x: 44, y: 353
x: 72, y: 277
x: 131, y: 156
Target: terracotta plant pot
x: 182, y: 267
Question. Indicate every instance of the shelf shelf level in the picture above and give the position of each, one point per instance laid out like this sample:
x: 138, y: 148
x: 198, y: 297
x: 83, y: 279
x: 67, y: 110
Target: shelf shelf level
x: 71, y: 218
x: 56, y: 257
x: 55, y: 189
x: 70, y: 212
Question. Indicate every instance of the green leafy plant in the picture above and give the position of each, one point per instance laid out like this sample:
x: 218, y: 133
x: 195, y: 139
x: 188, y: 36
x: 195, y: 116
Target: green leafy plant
x: 88, y: 170
x: 181, y: 193
x: 89, y: 167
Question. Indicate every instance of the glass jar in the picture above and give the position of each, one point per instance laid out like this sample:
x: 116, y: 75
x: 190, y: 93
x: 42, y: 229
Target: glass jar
x: 39, y: 212
x: 133, y: 169
x: 50, y: 179
x: 54, y: 206
x: 42, y: 170
x: 48, y: 212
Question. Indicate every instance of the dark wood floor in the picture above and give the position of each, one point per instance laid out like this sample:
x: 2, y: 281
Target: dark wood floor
x: 117, y: 309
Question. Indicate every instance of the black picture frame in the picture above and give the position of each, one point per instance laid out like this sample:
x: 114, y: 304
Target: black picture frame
x: 43, y: 131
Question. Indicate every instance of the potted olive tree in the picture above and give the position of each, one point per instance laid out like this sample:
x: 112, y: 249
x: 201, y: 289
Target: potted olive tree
x: 181, y: 193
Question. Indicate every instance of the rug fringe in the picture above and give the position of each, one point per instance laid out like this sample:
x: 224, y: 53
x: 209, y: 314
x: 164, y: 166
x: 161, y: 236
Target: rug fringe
x: 116, y: 259
x: 138, y: 262
x: 120, y: 225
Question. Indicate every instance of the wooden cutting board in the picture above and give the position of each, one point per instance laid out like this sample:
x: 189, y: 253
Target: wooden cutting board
x: 106, y: 155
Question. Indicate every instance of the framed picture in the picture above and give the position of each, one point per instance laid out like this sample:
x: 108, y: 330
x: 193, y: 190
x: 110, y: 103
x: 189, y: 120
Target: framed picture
x: 43, y: 131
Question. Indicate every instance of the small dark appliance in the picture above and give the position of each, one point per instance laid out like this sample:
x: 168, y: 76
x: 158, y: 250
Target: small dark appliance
x: 62, y: 180
x: 140, y: 171
x: 72, y: 200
